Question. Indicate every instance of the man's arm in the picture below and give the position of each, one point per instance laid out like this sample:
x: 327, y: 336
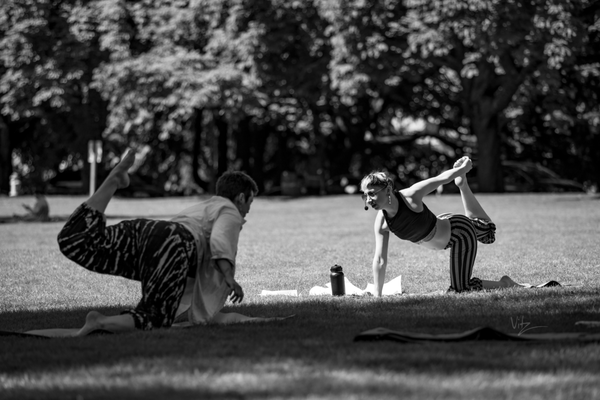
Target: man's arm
x: 226, y: 268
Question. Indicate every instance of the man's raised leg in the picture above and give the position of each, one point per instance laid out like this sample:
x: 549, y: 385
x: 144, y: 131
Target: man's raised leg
x: 118, y: 178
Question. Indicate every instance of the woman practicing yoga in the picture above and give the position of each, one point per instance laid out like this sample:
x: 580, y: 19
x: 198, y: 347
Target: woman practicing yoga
x: 403, y: 213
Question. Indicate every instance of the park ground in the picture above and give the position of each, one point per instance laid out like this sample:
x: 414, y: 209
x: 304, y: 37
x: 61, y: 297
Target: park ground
x: 289, y: 244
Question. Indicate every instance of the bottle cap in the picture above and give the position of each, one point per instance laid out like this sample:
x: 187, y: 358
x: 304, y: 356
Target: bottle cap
x: 336, y: 268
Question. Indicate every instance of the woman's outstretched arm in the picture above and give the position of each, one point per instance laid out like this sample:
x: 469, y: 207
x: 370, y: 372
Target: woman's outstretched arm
x: 382, y: 237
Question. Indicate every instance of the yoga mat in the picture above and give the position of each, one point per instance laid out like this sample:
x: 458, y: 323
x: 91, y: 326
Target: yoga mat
x: 22, y: 334
x: 542, y: 285
x: 33, y: 335
x: 483, y: 333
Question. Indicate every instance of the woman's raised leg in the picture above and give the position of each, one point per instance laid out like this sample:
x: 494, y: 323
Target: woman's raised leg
x: 472, y: 207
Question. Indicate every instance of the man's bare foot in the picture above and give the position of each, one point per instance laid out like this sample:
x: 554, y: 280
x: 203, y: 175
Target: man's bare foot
x: 93, y: 321
x: 119, y: 174
x: 507, y: 282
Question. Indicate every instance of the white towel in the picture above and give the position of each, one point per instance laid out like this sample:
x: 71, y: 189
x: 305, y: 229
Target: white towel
x: 393, y: 287
x: 279, y: 293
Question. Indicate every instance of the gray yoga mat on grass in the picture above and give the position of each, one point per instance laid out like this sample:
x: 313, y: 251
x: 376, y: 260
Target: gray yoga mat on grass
x: 483, y: 333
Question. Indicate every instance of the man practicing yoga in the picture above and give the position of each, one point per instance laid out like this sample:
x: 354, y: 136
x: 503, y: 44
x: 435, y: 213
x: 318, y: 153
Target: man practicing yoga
x: 193, y: 253
x: 404, y: 214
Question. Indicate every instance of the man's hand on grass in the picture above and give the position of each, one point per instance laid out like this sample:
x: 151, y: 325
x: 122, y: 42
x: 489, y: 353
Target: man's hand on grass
x: 237, y: 293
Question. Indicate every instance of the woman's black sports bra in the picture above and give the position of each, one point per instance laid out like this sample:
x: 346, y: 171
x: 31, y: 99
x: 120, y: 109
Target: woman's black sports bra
x: 410, y: 225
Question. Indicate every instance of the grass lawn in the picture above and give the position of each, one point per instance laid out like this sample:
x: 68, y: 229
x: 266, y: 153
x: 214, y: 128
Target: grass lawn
x: 290, y: 244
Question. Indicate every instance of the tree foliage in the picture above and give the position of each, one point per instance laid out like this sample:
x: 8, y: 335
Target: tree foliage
x: 322, y: 88
x: 49, y: 50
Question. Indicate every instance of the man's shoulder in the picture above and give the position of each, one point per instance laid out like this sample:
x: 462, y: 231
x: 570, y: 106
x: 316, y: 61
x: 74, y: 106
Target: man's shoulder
x: 211, y: 208
x: 222, y: 204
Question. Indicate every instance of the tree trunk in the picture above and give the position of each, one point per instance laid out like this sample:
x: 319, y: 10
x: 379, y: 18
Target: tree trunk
x: 5, y: 158
x: 283, y: 158
x: 222, y: 146
x: 348, y: 139
x: 319, y: 140
x: 260, y: 136
x: 196, y: 150
x: 484, y: 124
x: 243, y: 145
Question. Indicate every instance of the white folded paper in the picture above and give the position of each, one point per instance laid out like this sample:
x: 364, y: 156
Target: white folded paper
x: 279, y: 293
x: 393, y: 287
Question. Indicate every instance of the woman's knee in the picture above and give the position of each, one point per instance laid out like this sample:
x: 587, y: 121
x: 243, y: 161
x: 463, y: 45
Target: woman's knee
x: 485, y: 230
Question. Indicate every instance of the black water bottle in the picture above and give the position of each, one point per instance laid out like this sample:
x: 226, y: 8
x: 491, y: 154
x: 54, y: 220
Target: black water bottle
x: 338, y: 287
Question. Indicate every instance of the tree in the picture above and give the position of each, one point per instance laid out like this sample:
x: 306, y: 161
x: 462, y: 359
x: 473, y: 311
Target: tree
x: 556, y: 120
x: 49, y: 50
x: 372, y: 81
x: 484, y: 52
x: 172, y: 66
x: 271, y: 85
x: 290, y: 53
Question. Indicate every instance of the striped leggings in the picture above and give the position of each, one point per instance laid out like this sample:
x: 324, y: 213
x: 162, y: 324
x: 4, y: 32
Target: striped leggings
x: 465, y: 232
x: 158, y: 254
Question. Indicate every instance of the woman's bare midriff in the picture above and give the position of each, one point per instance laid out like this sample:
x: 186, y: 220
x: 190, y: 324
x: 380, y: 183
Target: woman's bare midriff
x: 442, y: 236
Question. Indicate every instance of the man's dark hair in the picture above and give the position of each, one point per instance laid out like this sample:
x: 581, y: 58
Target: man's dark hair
x: 232, y: 183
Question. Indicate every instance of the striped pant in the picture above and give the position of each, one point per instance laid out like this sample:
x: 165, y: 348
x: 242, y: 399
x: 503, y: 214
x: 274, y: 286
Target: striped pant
x: 465, y: 232
x: 158, y: 254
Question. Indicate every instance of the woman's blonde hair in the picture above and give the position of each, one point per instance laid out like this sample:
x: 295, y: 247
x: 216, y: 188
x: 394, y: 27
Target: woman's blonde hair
x: 377, y: 178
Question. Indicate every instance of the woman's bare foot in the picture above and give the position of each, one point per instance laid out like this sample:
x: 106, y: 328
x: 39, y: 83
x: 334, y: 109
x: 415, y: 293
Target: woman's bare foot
x: 507, y: 282
x: 93, y: 321
x: 119, y: 174
x: 460, y: 161
x: 461, y: 180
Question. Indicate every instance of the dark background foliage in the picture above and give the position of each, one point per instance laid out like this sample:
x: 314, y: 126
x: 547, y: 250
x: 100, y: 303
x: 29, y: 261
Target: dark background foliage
x: 314, y: 93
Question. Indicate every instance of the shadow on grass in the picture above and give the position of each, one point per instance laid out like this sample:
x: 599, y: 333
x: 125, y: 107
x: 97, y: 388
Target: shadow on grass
x: 322, y: 325
x: 311, y: 354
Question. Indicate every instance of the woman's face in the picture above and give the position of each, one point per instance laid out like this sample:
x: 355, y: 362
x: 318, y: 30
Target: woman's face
x: 375, y: 196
